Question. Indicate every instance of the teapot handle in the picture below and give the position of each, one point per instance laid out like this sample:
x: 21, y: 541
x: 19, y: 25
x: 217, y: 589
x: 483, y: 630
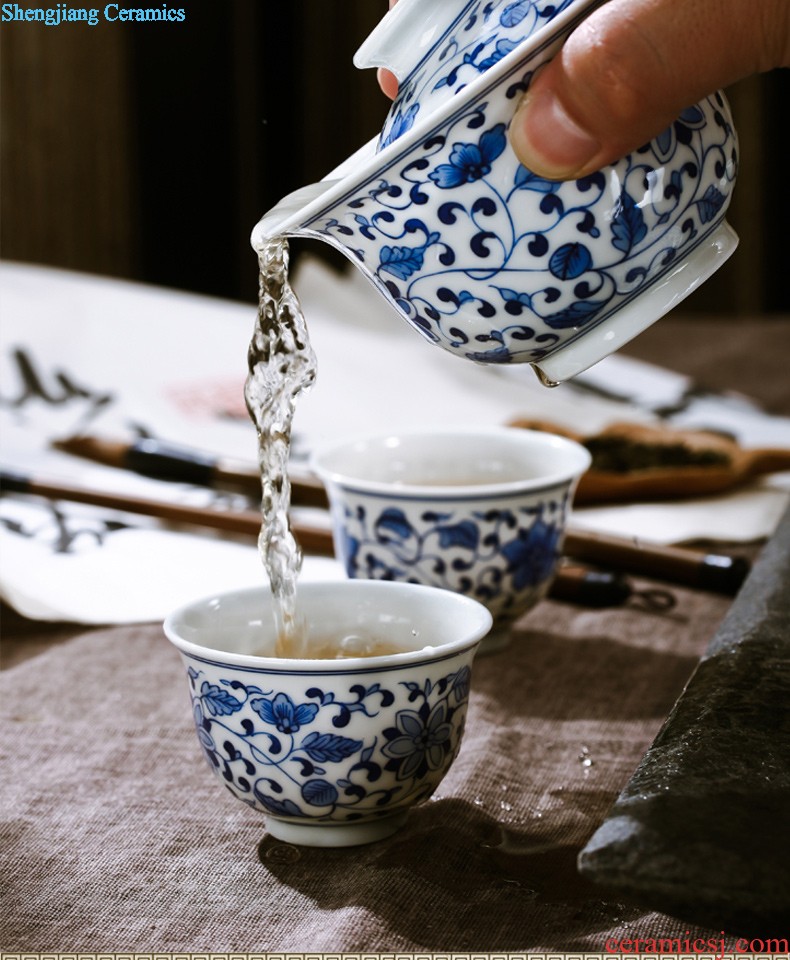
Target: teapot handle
x: 402, y: 37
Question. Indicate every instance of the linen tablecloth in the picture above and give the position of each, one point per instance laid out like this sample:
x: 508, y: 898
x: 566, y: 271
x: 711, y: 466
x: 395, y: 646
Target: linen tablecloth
x: 117, y: 837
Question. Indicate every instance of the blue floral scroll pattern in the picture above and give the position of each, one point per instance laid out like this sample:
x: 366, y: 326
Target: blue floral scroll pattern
x: 484, y: 32
x: 501, y: 556
x: 293, y: 758
x: 498, y: 264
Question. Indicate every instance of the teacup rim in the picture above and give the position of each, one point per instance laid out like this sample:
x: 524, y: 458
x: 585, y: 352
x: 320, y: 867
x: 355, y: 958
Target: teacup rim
x: 480, y: 625
x: 477, y: 491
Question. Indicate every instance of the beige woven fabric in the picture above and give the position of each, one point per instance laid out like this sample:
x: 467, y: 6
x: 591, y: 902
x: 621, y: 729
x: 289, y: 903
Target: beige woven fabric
x: 116, y: 836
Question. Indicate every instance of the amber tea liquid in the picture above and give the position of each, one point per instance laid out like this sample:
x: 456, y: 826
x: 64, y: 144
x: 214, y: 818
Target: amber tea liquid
x: 353, y: 645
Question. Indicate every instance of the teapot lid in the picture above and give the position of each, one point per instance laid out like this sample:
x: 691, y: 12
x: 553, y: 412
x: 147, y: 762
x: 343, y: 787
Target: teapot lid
x: 436, y: 47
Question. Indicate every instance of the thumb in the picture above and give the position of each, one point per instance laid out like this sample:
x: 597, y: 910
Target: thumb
x: 631, y: 68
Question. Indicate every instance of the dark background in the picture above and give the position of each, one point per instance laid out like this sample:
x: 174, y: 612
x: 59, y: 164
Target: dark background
x: 148, y: 151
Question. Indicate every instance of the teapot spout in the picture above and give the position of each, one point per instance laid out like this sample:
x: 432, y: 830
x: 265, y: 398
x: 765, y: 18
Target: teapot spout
x: 285, y: 217
x: 288, y: 216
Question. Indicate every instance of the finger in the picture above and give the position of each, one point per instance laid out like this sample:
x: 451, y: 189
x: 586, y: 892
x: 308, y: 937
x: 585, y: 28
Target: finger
x: 388, y: 82
x: 630, y: 69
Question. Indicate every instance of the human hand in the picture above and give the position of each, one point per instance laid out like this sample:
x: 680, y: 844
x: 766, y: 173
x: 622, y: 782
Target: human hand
x: 629, y: 69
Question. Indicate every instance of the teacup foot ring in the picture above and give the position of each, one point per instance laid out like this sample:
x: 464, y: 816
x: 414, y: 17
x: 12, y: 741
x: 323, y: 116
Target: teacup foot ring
x: 335, y: 835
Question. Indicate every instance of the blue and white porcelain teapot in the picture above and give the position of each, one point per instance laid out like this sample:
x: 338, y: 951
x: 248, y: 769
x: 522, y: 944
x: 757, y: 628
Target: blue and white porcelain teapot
x: 476, y: 252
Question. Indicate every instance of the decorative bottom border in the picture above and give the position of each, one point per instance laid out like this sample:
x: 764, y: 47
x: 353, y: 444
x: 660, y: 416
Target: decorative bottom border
x: 777, y: 955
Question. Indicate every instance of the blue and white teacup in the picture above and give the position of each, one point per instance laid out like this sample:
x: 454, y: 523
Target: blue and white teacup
x: 480, y: 512
x: 334, y: 751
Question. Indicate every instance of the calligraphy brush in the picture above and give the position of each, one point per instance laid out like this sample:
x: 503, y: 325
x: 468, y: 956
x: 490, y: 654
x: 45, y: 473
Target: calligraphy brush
x: 572, y: 583
x: 717, y: 573
x: 312, y: 538
x: 166, y: 461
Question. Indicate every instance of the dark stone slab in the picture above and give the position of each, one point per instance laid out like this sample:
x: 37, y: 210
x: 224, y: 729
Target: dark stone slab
x: 702, y: 831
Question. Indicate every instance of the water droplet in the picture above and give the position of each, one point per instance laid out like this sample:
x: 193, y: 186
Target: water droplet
x: 278, y: 853
x: 525, y: 893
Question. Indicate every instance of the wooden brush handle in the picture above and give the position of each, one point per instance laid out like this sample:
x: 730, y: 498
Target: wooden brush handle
x: 766, y: 460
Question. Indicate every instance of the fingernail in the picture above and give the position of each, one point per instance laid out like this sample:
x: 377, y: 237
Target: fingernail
x: 547, y: 140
